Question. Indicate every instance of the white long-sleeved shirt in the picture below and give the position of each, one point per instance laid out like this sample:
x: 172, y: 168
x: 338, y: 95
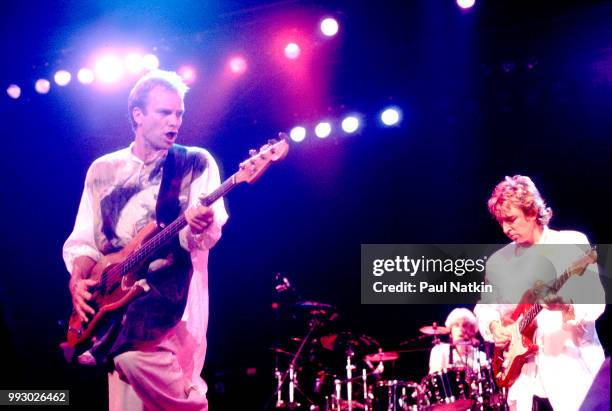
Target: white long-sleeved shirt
x: 119, y: 199
x: 570, y: 353
x: 440, y: 358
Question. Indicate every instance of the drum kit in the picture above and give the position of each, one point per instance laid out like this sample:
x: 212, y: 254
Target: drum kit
x: 327, y: 370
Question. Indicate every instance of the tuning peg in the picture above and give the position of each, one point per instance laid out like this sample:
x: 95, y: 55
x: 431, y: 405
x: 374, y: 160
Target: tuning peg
x: 252, y: 152
x: 272, y: 141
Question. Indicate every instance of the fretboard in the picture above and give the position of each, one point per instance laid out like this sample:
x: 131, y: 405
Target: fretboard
x: 153, y: 245
x: 536, y: 308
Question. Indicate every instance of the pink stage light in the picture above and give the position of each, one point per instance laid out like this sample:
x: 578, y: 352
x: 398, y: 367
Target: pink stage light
x: 109, y: 69
x: 323, y: 129
x: 292, y: 51
x: 297, y: 134
x: 85, y: 76
x: 187, y: 73
x: 134, y: 63
x: 150, y: 62
x: 62, y: 77
x: 237, y: 65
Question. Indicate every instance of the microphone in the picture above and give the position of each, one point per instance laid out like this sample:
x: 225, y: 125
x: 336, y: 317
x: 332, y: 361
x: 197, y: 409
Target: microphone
x: 472, y: 342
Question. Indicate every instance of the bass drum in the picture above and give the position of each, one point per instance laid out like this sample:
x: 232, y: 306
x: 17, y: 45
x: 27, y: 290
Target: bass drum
x: 448, y: 390
x: 394, y: 395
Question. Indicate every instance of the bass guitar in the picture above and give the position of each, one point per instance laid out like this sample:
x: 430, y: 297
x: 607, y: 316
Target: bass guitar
x: 119, y: 275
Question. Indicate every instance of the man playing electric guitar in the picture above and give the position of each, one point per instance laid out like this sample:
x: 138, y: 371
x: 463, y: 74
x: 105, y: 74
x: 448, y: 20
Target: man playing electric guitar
x: 155, y: 349
x: 564, y: 352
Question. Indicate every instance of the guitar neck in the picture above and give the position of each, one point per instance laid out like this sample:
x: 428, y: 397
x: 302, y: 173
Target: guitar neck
x: 536, y: 308
x: 151, y: 246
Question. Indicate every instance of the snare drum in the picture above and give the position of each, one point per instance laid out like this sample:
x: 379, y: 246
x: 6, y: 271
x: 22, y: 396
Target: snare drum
x: 394, y: 395
x: 448, y: 390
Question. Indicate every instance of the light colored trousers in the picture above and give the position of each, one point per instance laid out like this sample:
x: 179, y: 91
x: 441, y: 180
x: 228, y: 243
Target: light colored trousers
x: 153, y: 378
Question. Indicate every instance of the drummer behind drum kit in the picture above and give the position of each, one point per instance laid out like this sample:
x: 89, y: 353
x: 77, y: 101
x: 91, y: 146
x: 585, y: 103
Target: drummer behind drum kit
x: 456, y: 388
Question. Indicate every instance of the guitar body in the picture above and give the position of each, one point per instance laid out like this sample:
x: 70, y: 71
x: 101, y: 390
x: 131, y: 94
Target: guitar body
x: 508, y: 360
x: 112, y: 291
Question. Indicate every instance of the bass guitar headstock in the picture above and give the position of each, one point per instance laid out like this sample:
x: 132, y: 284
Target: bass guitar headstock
x: 259, y: 161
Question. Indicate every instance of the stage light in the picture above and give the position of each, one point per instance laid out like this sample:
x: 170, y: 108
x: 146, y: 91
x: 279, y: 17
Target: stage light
x: 465, y: 4
x: 237, y: 65
x: 134, y: 63
x: 350, y: 124
x: 329, y: 27
x: 42, y: 86
x: 187, y: 73
x: 85, y: 76
x: 109, y: 69
x: 390, y: 116
x: 150, y: 62
x: 292, y: 51
x: 323, y: 129
x: 62, y: 77
x: 297, y: 134
x: 13, y: 91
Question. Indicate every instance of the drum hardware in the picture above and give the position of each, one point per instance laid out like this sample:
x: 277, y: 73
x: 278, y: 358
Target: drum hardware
x: 291, y: 373
x: 279, y: 383
x: 434, y: 330
x: 381, y: 356
x: 327, y: 359
x: 349, y: 382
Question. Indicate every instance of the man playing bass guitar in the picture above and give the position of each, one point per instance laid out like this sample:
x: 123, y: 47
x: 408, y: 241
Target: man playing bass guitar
x: 155, y: 348
x: 547, y: 297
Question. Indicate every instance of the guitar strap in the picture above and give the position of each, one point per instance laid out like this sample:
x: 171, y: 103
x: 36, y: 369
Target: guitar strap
x: 168, y: 208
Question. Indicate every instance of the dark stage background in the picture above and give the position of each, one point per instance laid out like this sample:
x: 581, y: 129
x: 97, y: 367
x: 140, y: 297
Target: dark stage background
x: 505, y: 88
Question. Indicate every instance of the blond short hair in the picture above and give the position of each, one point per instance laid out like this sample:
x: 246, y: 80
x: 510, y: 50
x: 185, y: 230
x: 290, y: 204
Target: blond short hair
x: 521, y: 192
x: 139, y: 94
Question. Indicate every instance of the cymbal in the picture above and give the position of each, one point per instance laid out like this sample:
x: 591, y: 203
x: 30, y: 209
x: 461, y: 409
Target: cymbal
x: 382, y: 356
x: 434, y: 330
x: 281, y: 351
x: 314, y: 305
x: 348, y: 340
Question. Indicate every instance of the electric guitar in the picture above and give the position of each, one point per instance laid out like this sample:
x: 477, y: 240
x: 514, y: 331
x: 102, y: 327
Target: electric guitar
x: 119, y: 275
x: 508, y: 360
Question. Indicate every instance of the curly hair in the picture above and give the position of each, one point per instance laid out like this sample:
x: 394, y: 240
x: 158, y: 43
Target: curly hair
x: 521, y: 192
x: 140, y: 92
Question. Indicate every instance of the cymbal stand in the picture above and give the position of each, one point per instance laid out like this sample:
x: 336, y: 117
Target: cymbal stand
x: 279, y: 383
x: 292, y: 374
x: 292, y: 384
x: 349, y: 377
x: 479, y: 377
x: 436, y: 339
x: 364, y: 376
